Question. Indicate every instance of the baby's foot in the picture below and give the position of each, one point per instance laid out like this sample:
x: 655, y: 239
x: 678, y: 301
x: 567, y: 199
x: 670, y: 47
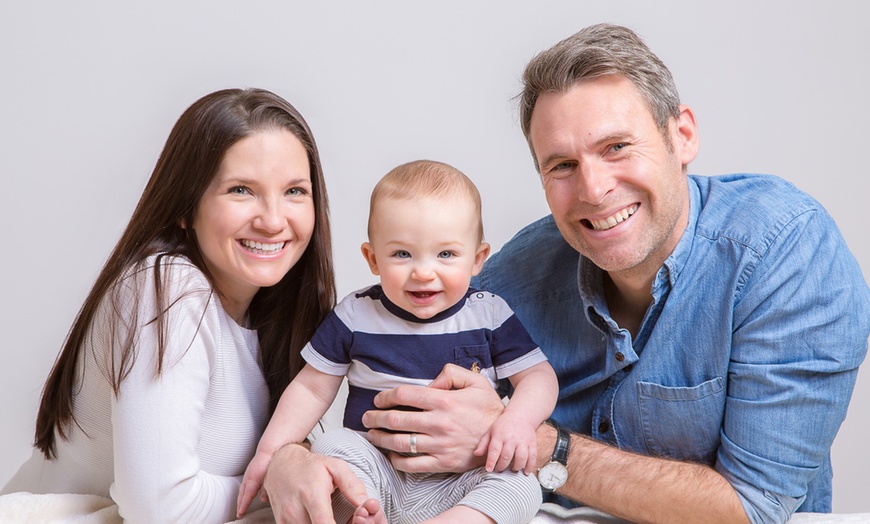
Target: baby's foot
x: 369, y: 513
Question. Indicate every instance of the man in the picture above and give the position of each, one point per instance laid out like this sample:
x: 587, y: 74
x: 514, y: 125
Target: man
x: 706, y: 338
x: 706, y: 331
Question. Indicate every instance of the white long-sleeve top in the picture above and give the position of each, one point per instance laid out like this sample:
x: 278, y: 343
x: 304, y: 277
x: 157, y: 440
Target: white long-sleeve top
x: 168, y: 448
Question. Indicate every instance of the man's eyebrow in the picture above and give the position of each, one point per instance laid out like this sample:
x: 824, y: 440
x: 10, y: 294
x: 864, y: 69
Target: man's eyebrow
x: 552, y: 159
x: 615, y: 137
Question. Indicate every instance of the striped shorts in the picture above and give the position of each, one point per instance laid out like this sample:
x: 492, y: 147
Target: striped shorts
x: 409, y: 498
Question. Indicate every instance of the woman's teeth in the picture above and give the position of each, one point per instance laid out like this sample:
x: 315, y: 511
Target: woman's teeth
x: 262, y: 248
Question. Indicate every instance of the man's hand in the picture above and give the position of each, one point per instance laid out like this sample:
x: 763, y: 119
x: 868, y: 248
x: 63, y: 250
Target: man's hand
x: 457, y: 409
x: 300, y: 484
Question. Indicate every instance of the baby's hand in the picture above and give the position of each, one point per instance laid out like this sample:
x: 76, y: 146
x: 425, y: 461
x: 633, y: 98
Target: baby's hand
x: 510, y: 443
x: 252, y: 482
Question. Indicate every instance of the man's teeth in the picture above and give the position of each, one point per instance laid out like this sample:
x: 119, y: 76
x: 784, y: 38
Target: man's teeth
x: 612, y: 220
x: 262, y: 247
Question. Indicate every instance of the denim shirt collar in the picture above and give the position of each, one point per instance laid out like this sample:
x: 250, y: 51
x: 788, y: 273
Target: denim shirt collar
x: 590, y: 278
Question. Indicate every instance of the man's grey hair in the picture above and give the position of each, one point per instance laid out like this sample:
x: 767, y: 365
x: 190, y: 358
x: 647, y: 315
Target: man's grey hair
x: 596, y: 51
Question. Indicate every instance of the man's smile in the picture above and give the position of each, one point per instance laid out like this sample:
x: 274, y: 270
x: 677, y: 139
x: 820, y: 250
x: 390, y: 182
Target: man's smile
x: 611, y: 221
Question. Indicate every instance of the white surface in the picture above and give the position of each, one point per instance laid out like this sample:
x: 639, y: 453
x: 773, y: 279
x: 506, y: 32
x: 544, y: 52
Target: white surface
x: 90, y: 90
x: 24, y: 508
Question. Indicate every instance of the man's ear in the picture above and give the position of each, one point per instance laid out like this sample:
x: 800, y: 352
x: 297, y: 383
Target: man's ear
x: 368, y: 253
x: 685, y: 136
x: 480, y: 258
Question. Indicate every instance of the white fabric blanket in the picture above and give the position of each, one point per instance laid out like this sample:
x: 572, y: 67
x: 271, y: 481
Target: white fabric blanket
x: 26, y: 508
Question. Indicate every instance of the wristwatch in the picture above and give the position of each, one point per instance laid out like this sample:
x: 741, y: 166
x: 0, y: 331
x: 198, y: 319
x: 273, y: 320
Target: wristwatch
x: 553, y: 474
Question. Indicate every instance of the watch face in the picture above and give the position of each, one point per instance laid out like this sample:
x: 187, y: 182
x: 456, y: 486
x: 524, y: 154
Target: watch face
x: 552, y: 475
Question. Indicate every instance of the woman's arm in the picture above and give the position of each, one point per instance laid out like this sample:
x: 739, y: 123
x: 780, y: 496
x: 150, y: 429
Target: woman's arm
x: 300, y: 485
x: 157, y: 419
x: 302, y: 404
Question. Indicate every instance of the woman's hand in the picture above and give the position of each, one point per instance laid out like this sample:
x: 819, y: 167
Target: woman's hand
x: 457, y: 410
x: 300, y: 484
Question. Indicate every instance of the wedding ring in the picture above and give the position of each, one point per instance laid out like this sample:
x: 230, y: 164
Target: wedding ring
x: 412, y: 439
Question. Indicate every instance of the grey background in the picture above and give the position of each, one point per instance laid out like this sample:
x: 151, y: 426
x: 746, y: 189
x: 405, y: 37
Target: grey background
x: 90, y: 90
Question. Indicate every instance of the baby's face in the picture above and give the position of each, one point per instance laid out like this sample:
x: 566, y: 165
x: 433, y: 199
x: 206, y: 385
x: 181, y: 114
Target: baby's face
x: 425, y: 251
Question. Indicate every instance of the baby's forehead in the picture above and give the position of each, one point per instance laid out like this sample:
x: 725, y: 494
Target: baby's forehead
x: 456, y: 200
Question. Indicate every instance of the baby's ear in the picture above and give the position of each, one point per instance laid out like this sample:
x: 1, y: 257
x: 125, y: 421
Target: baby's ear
x: 368, y: 253
x: 480, y: 258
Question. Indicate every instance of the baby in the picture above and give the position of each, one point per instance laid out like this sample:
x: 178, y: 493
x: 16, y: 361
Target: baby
x: 425, y: 243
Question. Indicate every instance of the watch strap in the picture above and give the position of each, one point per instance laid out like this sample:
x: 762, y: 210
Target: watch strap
x: 563, y: 441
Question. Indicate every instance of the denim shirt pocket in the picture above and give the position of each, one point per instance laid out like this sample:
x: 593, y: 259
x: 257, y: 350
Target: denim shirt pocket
x: 475, y: 358
x: 683, y: 422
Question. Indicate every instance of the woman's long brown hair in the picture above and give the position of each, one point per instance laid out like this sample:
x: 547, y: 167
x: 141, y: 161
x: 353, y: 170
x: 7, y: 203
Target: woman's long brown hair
x: 284, y: 315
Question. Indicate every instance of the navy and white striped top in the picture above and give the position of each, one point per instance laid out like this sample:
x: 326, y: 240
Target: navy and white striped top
x: 379, y: 346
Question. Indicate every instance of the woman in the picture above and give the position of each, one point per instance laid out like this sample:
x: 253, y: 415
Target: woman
x: 194, y: 326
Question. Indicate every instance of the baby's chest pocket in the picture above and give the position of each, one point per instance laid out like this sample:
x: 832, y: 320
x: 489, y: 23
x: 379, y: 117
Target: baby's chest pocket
x: 475, y: 358
x: 683, y: 422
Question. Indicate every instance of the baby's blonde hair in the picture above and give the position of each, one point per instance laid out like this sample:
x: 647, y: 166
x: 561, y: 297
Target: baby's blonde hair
x: 423, y: 179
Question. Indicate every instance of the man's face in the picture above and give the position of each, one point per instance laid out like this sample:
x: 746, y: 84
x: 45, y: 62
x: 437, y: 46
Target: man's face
x: 616, y: 186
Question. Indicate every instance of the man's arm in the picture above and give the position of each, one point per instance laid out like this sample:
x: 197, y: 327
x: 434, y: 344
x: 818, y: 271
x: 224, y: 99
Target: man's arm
x: 457, y: 409
x: 641, y: 488
x: 460, y: 409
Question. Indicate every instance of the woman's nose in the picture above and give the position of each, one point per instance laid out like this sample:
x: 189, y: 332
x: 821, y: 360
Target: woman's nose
x: 270, y: 217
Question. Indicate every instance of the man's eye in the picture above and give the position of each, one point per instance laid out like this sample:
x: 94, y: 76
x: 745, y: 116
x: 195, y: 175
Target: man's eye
x: 561, y: 170
x: 618, y: 147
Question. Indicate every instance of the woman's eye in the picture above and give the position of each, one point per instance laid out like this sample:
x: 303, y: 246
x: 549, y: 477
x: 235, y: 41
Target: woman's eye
x: 239, y: 190
x: 297, y: 191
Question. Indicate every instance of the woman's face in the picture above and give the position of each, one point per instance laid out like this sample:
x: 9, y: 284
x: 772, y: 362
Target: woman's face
x: 256, y: 217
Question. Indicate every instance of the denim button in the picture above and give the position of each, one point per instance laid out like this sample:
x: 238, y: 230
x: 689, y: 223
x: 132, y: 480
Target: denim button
x: 619, y: 356
x: 603, y: 427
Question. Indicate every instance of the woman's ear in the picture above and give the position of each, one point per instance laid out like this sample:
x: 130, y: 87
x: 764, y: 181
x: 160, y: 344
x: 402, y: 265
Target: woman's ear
x: 368, y: 253
x: 182, y: 223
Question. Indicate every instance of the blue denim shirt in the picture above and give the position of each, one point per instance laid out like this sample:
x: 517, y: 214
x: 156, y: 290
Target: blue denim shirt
x: 745, y: 360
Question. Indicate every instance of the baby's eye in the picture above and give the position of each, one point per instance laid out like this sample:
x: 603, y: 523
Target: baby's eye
x: 402, y: 254
x: 446, y: 254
